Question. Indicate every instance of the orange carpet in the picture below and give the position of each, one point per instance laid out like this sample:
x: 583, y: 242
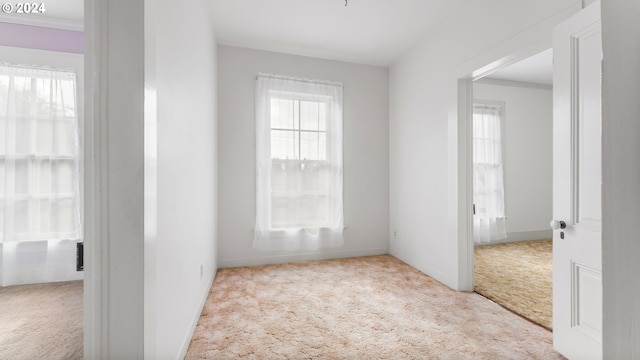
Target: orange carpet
x: 518, y: 276
x: 361, y: 308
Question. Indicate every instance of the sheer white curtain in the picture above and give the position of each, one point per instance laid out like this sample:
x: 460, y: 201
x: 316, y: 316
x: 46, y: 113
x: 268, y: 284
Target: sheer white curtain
x: 39, y: 179
x: 298, y: 163
x: 488, y: 173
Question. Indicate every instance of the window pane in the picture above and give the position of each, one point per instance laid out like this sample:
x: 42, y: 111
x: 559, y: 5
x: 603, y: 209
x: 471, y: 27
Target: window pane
x: 2, y: 210
x: 64, y: 133
x: 41, y: 219
x: 309, y: 115
x: 24, y: 142
x: 42, y: 176
x: 3, y: 178
x: 68, y: 99
x: 322, y: 146
x: 63, y: 176
x: 63, y: 215
x: 299, y: 194
x: 23, y: 213
x: 4, y: 89
x: 285, y: 176
x: 479, y: 151
x: 281, y: 113
x: 309, y: 146
x: 22, y: 87
x: 296, y: 114
x: 44, y: 136
x: 314, y: 210
x: 284, y: 144
x: 315, y: 178
x: 21, y: 177
x: 300, y: 210
x: 284, y: 212
x: 44, y: 96
x: 323, y: 115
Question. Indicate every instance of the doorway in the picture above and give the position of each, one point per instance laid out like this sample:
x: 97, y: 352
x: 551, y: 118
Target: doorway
x: 41, y: 187
x: 512, y: 176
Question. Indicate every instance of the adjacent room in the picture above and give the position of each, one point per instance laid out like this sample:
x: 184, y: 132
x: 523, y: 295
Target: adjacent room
x: 41, y: 190
x: 326, y: 179
x: 512, y: 145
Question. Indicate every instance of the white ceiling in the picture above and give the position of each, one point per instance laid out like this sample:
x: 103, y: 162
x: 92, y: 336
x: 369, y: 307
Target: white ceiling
x: 365, y: 31
x: 373, y: 32
x: 537, y: 69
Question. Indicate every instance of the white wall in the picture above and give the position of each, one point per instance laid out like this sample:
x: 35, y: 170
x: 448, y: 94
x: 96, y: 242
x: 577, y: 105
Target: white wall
x: 528, y: 120
x: 180, y: 172
x: 366, y: 162
x: 421, y: 152
x: 621, y: 178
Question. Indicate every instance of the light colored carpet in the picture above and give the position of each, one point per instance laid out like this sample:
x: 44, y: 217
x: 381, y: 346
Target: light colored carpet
x: 518, y: 276
x: 41, y: 321
x: 361, y: 308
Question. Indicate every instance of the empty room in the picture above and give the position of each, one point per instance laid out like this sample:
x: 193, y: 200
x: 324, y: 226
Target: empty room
x: 513, y: 162
x: 296, y: 179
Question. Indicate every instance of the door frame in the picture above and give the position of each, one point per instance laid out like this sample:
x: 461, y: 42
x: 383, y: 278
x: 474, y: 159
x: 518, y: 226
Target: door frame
x: 94, y: 306
x: 114, y: 181
x: 529, y: 42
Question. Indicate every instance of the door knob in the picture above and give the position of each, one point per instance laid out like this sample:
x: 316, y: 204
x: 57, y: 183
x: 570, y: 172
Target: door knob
x: 555, y: 224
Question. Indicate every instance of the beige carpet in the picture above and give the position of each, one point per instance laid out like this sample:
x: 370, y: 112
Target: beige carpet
x: 518, y: 276
x: 42, y: 321
x: 362, y: 308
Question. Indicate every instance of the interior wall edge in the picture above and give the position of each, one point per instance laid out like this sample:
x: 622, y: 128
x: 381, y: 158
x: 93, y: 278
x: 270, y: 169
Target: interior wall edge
x: 427, y: 270
x: 194, y: 322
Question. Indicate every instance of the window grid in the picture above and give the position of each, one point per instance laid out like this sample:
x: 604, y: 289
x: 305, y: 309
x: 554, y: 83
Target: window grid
x: 305, y: 123
x: 297, y: 130
x: 488, y: 159
x: 39, y: 199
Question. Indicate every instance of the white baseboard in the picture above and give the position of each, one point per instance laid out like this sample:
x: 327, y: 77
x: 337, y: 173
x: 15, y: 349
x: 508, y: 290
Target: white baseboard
x: 280, y: 259
x: 530, y: 235
x: 517, y: 236
x: 196, y: 318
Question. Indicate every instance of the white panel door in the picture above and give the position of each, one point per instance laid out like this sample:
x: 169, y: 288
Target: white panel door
x: 577, y: 239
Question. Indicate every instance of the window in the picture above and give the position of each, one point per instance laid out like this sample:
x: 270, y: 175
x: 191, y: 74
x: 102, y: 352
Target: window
x: 299, y: 163
x: 38, y: 154
x: 488, y: 173
x: 300, y: 171
x: 40, y: 166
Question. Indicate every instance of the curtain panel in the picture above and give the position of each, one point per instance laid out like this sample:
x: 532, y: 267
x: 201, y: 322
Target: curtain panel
x: 489, y: 221
x: 40, y: 219
x: 299, y: 163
